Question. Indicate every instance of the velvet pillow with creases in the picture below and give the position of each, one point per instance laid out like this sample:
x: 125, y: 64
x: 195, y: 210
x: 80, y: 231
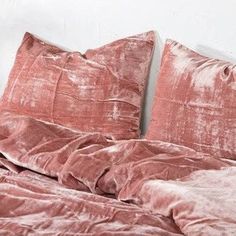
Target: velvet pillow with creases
x: 99, y: 91
x: 195, y: 102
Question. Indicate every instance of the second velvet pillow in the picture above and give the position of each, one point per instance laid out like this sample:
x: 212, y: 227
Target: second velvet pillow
x: 194, y: 103
x: 100, y: 91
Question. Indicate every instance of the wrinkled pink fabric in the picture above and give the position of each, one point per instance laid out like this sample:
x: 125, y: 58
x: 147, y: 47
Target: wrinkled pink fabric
x: 10, y: 166
x: 203, y: 203
x: 176, y: 189
x: 79, y: 160
x: 35, y: 205
x: 99, y: 91
x: 194, y: 104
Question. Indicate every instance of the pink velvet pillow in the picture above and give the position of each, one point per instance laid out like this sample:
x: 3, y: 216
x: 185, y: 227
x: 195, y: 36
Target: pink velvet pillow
x: 99, y: 91
x: 195, y: 102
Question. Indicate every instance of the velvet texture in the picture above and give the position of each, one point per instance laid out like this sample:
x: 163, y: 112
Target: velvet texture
x: 194, y: 104
x: 176, y: 189
x: 100, y: 91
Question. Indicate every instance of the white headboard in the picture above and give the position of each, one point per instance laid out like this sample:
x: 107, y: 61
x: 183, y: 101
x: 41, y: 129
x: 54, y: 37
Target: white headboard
x: 207, y: 26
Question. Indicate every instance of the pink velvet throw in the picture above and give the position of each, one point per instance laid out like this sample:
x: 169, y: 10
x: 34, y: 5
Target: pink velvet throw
x: 101, y: 90
x: 87, y: 184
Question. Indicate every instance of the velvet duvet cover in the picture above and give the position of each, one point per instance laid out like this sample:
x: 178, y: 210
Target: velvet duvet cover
x: 55, y: 181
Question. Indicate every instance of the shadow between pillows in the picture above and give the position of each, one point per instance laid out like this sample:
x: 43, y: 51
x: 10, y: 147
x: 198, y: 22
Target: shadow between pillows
x: 195, y: 102
x: 99, y: 91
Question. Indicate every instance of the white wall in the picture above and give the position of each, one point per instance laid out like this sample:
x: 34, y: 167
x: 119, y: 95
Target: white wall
x: 208, y: 26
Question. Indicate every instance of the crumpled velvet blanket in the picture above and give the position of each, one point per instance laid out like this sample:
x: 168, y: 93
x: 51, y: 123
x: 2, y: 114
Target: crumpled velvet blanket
x: 166, y: 189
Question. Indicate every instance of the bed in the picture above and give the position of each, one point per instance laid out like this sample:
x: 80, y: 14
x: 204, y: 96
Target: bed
x: 71, y: 158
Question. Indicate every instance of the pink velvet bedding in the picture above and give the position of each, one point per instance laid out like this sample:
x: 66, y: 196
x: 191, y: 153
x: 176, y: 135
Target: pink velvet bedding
x: 101, y: 90
x: 148, y: 187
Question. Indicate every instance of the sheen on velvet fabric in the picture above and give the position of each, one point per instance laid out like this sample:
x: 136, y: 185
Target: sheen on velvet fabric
x: 166, y: 189
x: 195, y: 102
x: 99, y: 91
